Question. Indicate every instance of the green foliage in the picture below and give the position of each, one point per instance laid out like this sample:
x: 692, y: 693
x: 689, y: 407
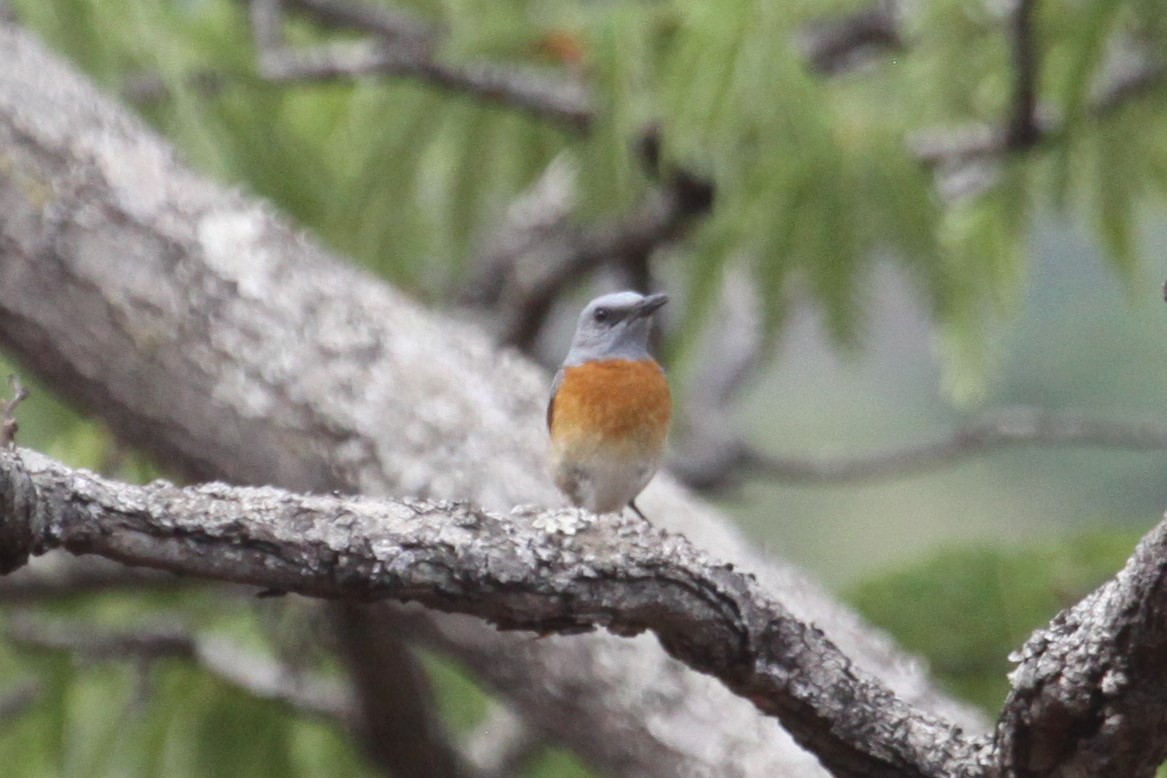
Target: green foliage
x: 816, y: 177
x: 966, y: 610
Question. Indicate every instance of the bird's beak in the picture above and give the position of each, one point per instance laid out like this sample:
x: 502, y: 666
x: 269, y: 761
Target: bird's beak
x: 649, y: 305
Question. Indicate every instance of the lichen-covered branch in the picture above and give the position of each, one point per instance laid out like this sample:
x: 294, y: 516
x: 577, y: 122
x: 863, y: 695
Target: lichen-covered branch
x: 1089, y: 695
x: 620, y: 574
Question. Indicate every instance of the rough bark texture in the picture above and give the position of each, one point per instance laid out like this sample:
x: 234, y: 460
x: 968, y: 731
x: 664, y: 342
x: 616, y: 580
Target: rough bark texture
x: 200, y: 326
x: 1089, y: 693
x: 618, y: 573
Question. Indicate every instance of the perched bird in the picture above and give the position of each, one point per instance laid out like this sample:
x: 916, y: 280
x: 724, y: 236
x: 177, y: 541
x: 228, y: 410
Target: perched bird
x: 610, y: 406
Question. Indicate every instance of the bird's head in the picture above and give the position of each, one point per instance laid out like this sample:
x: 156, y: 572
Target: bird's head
x: 614, y: 326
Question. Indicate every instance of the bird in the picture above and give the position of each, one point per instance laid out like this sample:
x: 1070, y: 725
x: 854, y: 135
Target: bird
x: 610, y: 407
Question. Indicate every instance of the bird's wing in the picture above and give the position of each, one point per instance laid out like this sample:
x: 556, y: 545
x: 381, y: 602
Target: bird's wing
x: 555, y: 383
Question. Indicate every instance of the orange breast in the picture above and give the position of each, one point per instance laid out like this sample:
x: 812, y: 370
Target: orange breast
x: 612, y: 401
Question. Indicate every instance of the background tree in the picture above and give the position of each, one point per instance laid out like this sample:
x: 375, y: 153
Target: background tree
x: 503, y: 154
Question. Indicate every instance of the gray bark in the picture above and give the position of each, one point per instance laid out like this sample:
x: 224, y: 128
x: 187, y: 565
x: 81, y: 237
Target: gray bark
x: 618, y: 573
x: 202, y: 327
x: 1088, y: 695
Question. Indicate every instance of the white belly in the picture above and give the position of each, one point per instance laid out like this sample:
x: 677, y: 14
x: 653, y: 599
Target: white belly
x: 603, y: 485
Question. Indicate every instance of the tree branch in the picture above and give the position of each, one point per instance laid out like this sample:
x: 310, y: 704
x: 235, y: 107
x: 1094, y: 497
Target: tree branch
x: 975, y: 144
x: 989, y: 432
x: 1088, y: 691
x: 254, y: 674
x: 836, y: 46
x: 58, y: 577
x: 617, y: 573
x: 405, y: 47
x: 1089, y: 695
x: 17, y: 699
x: 386, y: 678
x: 8, y: 424
x: 394, y: 25
x: 1021, y: 126
x: 534, y: 260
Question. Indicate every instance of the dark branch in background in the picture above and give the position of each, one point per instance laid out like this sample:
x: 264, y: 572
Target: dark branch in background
x: 991, y: 431
x: 16, y: 700
x: 1022, y: 130
x: 975, y: 142
x: 380, y: 668
x: 8, y: 424
x: 836, y: 46
x: 63, y: 577
x: 540, y: 252
x: 257, y: 675
x: 965, y: 159
x: 707, y: 452
x: 616, y: 573
x: 401, y: 45
x: 391, y: 25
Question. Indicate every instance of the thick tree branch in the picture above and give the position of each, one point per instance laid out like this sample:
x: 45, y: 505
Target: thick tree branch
x: 1089, y: 690
x: 1089, y: 696
x: 617, y: 573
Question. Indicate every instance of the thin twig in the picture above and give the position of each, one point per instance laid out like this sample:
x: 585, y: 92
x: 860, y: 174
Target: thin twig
x: 542, y: 92
x: 662, y: 216
x: 8, y: 424
x: 835, y: 46
x: 18, y: 699
x: 394, y: 25
x: 991, y: 431
x: 978, y: 142
x: 402, y: 45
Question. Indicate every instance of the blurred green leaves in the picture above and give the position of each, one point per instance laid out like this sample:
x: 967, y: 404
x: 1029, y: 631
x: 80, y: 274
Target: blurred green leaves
x: 815, y: 176
x: 966, y: 610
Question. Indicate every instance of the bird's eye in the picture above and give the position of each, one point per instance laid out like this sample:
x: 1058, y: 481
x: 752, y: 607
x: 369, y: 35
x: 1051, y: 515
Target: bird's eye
x: 601, y: 315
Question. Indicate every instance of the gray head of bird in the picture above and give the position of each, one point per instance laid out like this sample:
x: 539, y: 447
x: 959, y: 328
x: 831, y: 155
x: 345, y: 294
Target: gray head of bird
x: 614, y: 326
